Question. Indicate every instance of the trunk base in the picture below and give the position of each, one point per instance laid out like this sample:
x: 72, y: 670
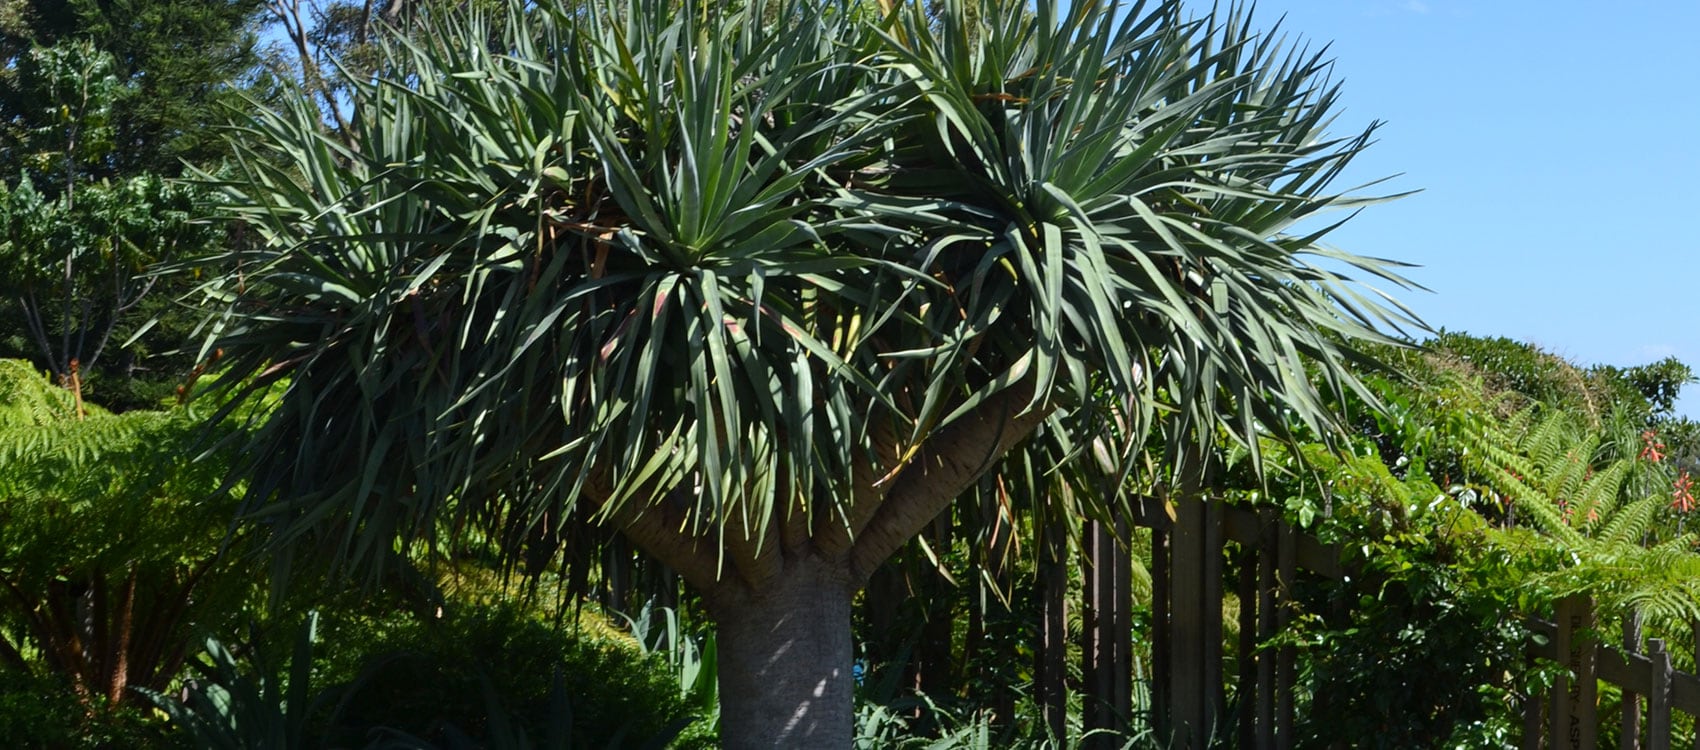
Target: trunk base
x: 785, y: 659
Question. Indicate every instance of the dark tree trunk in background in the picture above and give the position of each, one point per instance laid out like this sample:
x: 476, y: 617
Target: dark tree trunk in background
x: 934, y: 656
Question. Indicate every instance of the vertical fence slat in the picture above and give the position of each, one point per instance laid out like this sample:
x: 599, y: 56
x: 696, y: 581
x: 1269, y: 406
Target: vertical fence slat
x: 1532, y: 717
x: 1121, y: 623
x: 1052, y: 669
x: 1658, y: 698
x: 1629, y: 730
x: 1247, y: 662
x: 1187, y: 709
x: 1286, y: 561
x: 1211, y: 616
x: 1162, y: 629
x: 1102, y: 670
x: 1575, y: 725
x: 1695, y: 627
x: 1091, y: 609
x: 1267, y: 520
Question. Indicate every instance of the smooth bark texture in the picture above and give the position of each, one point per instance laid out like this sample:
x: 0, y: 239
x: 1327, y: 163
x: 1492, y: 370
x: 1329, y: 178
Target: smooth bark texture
x: 785, y: 659
x: 950, y: 462
x: 782, y: 606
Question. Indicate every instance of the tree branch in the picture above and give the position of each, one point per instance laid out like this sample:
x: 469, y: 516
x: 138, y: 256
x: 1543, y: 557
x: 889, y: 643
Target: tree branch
x: 950, y: 461
x: 660, y: 530
x: 38, y: 331
x: 288, y: 12
x: 833, y: 534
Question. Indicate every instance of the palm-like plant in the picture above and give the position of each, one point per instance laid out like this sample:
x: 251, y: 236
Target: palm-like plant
x: 767, y: 285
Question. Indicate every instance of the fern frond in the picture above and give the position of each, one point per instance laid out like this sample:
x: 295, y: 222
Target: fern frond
x: 1532, y: 501
x: 1629, y: 524
x: 1599, y: 498
x: 28, y: 396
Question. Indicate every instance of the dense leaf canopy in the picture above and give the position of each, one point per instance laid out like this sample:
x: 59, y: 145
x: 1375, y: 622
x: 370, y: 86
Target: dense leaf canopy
x: 737, y: 270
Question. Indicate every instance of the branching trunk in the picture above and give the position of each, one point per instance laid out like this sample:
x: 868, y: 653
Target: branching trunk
x: 782, y: 607
x: 38, y: 331
x: 950, y: 462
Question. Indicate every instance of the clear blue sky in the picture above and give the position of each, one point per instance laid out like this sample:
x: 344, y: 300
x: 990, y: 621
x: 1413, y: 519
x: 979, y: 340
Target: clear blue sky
x: 1557, y: 145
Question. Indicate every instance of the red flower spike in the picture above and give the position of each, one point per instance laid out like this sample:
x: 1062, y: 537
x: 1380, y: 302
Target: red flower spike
x: 1682, y: 496
x: 1651, y: 448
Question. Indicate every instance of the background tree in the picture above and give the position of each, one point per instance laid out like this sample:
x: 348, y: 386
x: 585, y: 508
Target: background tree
x: 189, y: 63
x: 768, y: 295
x: 102, y: 101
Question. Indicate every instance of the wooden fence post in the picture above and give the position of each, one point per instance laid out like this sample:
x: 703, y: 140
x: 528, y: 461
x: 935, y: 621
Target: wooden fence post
x: 1106, y: 668
x: 1658, y: 699
x: 1121, y: 622
x: 1188, y: 712
x: 1162, y: 628
x: 1215, y: 689
x: 1248, y: 657
x: 1574, y: 720
x: 1286, y: 562
x: 1050, y: 690
x: 1629, y: 732
x: 1695, y: 628
x: 1267, y: 522
x: 1532, y: 716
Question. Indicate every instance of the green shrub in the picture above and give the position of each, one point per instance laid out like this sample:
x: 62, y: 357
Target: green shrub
x: 44, y: 713
x: 424, y: 679
x: 1372, y: 648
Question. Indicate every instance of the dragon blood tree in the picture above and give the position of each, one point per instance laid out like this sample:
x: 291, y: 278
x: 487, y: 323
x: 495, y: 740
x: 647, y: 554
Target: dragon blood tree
x: 766, y: 285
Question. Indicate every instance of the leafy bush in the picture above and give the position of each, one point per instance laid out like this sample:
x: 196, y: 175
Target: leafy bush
x: 1431, y: 592
x: 43, y: 713
x: 419, y: 679
x: 1372, y: 648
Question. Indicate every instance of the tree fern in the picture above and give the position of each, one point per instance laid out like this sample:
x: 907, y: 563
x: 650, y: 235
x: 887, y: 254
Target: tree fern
x: 112, y: 538
x: 1596, y: 513
x: 1631, y: 523
x: 29, y: 397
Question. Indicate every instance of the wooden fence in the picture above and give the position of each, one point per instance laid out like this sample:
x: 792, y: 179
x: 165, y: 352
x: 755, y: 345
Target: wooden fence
x: 1189, y: 689
x: 1571, y: 712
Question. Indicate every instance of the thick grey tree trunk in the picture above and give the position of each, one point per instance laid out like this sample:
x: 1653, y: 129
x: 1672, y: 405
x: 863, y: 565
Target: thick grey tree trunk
x: 785, y: 659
